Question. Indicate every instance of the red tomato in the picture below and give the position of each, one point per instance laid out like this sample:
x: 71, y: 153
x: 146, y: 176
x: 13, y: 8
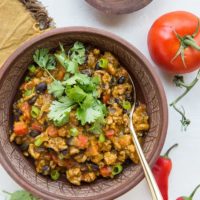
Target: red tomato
x: 106, y: 98
x: 20, y: 128
x: 81, y: 141
x: 36, y: 126
x: 26, y: 109
x: 52, y: 131
x: 163, y: 43
x: 110, y: 133
x: 105, y: 171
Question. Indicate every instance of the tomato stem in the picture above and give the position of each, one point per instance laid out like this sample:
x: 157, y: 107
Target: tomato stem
x: 180, y: 83
x: 186, y: 41
x: 192, y: 43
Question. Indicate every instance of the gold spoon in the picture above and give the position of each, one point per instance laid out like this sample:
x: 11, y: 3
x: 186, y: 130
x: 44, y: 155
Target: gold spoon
x: 155, y: 192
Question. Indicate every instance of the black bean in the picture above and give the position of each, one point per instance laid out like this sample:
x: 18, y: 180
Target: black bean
x: 64, y: 152
x: 17, y: 113
x: 32, y: 100
x: 69, y: 141
x: 41, y: 87
x: 113, y: 81
x: 125, y: 111
x: 34, y: 133
x: 24, y: 146
x: 87, y: 72
x: 97, y: 67
x: 128, y: 97
x: 84, y: 168
x: 94, y: 167
x: 45, y: 168
x: 121, y: 80
x: 117, y: 100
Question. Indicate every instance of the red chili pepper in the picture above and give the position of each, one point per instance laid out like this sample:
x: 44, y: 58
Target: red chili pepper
x: 161, y: 171
x: 191, y: 196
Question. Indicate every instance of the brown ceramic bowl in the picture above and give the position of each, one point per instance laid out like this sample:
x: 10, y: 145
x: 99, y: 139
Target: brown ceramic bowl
x: 118, y: 6
x: 149, y: 90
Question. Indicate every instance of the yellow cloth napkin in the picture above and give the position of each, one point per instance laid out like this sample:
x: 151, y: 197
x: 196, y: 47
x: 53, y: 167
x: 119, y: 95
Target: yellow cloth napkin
x: 16, y: 26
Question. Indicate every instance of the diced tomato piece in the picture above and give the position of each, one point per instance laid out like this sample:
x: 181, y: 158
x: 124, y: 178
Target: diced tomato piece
x: 36, y: 126
x: 81, y: 141
x: 105, y: 171
x: 69, y: 163
x: 20, y: 128
x: 54, y: 157
x: 110, y: 133
x: 106, y: 98
x: 25, y: 108
x: 52, y: 131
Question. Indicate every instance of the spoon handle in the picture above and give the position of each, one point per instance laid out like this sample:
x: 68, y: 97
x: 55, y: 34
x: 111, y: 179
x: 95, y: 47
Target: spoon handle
x: 155, y: 192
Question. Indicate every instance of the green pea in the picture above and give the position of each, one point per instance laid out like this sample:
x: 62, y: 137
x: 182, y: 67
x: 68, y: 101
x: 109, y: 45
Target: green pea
x: 117, y: 169
x: 126, y: 105
x: 74, y: 132
x: 35, y: 111
x: 55, y: 175
x: 103, y: 63
x: 38, y: 142
x: 102, y: 138
x: 32, y: 68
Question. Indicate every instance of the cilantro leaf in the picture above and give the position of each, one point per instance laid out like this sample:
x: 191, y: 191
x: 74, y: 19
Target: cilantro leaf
x: 90, y: 110
x: 87, y: 115
x: 92, y: 86
x: 61, y: 56
x: 60, y: 110
x: 21, y: 194
x: 78, y: 53
x: 44, y: 59
x: 97, y: 126
x: 70, y: 65
x: 56, y: 88
x: 78, y: 78
x: 76, y: 94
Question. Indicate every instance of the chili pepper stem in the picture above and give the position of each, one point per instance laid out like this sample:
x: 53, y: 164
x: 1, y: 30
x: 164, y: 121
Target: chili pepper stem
x: 169, y: 150
x: 193, y: 193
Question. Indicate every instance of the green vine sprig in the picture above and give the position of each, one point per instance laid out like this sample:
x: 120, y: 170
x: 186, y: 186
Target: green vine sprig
x: 179, y: 82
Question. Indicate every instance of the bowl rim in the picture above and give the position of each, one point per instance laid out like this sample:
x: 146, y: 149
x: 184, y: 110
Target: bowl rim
x: 163, y: 104
x: 116, y: 9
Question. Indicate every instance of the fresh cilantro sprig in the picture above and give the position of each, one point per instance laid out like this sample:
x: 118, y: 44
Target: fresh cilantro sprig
x: 56, y: 88
x: 78, y: 53
x: 75, y: 91
x: 21, y: 195
x: 60, y: 110
x: 75, y: 56
x: 90, y: 110
x: 45, y: 60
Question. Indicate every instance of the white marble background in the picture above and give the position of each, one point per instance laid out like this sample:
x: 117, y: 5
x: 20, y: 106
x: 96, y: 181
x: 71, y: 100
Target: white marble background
x: 134, y: 28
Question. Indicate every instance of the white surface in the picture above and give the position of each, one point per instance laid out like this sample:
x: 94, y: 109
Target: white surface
x: 134, y: 28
